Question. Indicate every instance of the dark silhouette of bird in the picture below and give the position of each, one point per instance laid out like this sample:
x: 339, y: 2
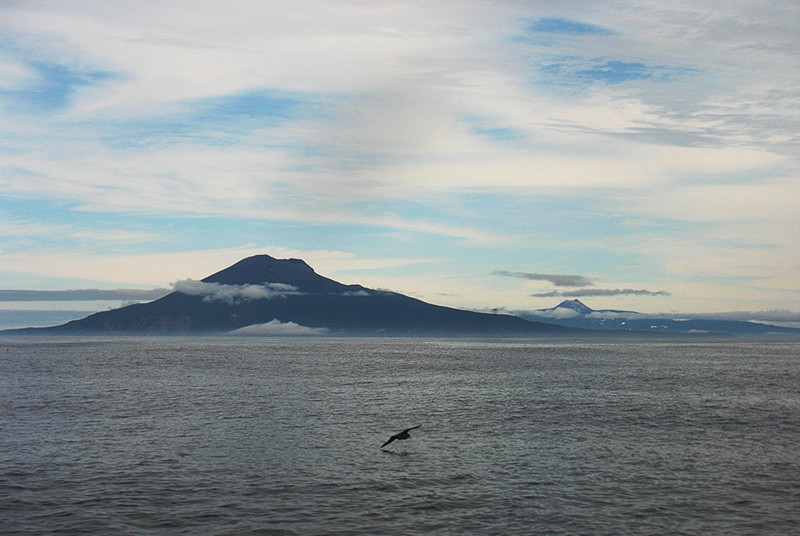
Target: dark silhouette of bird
x: 402, y: 435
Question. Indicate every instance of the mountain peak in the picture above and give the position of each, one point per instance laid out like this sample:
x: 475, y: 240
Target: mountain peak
x: 575, y: 305
x: 265, y: 269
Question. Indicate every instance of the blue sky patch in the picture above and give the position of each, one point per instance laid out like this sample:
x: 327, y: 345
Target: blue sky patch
x: 487, y: 128
x: 53, y: 87
x: 264, y: 104
x: 574, y: 71
x: 566, y: 27
x: 221, y: 121
x: 616, y: 72
x: 499, y: 134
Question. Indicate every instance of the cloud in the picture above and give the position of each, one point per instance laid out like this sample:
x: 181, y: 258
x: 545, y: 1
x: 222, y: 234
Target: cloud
x: 278, y: 328
x: 558, y: 280
x: 613, y: 314
x: 367, y: 124
x: 589, y: 292
x: 234, y: 293
x: 29, y: 228
x: 557, y: 313
x: 82, y: 295
x: 356, y: 293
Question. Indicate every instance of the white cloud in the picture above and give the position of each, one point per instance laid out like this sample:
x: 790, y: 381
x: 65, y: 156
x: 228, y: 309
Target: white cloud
x: 16, y: 76
x: 612, y: 314
x: 558, y: 313
x: 753, y: 201
x: 401, y: 126
x: 234, y: 293
x: 278, y: 328
x: 356, y: 293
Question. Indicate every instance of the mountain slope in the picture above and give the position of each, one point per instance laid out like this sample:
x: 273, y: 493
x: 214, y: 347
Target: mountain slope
x: 262, y: 289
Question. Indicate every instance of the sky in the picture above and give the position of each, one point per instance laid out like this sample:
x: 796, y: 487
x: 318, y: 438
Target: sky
x: 636, y: 155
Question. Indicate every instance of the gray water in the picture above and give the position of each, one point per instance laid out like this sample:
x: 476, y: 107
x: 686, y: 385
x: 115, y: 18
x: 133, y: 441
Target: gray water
x: 282, y: 436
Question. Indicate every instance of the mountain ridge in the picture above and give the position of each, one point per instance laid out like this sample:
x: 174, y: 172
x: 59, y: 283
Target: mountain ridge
x: 260, y: 290
x: 576, y: 314
x: 260, y: 293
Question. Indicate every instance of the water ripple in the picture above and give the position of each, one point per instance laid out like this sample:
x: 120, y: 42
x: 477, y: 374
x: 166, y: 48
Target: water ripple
x: 216, y: 436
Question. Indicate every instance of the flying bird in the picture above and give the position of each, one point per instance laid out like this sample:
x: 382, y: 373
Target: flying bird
x: 402, y: 435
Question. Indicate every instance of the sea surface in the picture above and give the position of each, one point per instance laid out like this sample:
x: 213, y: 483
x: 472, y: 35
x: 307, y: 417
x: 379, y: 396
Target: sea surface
x: 282, y: 436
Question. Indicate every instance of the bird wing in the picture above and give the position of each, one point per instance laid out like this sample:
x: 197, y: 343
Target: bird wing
x: 395, y: 436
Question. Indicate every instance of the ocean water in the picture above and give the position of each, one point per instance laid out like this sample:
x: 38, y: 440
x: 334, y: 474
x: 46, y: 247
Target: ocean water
x: 281, y: 436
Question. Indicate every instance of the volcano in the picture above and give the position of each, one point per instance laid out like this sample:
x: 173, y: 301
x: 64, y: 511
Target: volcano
x: 262, y: 290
